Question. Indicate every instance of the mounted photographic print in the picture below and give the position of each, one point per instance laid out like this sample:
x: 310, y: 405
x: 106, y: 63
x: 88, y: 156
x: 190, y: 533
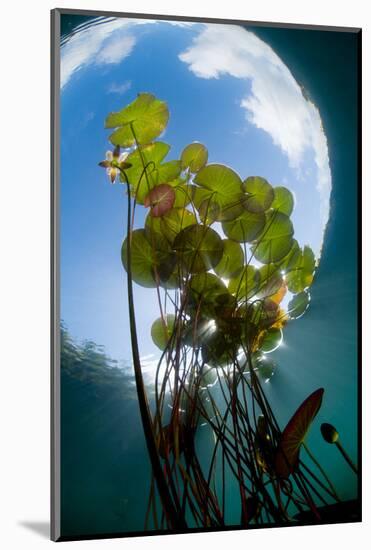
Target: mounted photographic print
x: 205, y: 275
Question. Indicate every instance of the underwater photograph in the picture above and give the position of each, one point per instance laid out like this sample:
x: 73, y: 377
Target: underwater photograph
x: 207, y: 371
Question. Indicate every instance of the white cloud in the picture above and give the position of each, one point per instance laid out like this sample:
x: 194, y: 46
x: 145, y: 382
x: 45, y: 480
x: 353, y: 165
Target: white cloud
x: 101, y: 42
x: 275, y: 103
x: 82, y: 48
x: 116, y: 49
x: 115, y: 88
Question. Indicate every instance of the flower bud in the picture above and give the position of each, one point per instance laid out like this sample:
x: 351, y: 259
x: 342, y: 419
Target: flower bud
x: 329, y: 433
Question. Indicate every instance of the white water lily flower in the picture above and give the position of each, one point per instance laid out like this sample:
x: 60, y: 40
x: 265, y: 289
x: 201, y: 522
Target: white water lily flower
x: 114, y: 162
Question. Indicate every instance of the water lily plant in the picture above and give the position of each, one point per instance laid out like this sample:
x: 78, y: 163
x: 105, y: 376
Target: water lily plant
x: 220, y: 254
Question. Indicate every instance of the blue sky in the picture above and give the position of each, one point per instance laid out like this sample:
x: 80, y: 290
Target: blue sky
x: 225, y: 88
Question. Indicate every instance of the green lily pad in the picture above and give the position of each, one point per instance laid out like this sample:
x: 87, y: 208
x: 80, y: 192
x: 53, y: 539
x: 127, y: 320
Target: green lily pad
x: 260, y: 194
x: 232, y: 260
x: 220, y: 193
x: 167, y: 172
x: 225, y: 312
x: 214, y: 206
x: 219, y: 178
x: 146, y: 260
x: 271, y: 340
x: 207, y: 293
x: 270, y: 281
x: 161, y: 233
x: 153, y: 153
x: 276, y: 239
x: 174, y: 221
x: 299, y: 305
x: 195, y: 333
x: 290, y: 261
x: 199, y: 248
x: 142, y: 181
x: 162, y: 330
x: 245, y: 285
x: 220, y: 349
x: 265, y: 314
x: 265, y: 368
x: 155, y: 236
x: 146, y: 114
x: 245, y: 312
x: 164, y: 230
x: 182, y: 193
x: 206, y: 288
x: 194, y: 157
x: 301, y: 275
x: 283, y: 200
x: 246, y: 228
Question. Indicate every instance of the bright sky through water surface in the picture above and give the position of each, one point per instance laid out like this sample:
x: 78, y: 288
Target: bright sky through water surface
x: 226, y: 88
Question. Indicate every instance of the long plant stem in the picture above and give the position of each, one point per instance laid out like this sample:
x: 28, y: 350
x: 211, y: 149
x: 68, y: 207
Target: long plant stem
x: 346, y: 457
x: 174, y: 519
x: 335, y: 495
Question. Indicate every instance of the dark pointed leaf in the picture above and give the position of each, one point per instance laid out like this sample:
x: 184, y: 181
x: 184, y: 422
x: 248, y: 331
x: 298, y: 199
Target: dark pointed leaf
x: 294, y: 434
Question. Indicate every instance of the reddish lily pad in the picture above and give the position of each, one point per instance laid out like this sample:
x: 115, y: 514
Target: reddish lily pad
x: 161, y: 199
x: 294, y: 434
